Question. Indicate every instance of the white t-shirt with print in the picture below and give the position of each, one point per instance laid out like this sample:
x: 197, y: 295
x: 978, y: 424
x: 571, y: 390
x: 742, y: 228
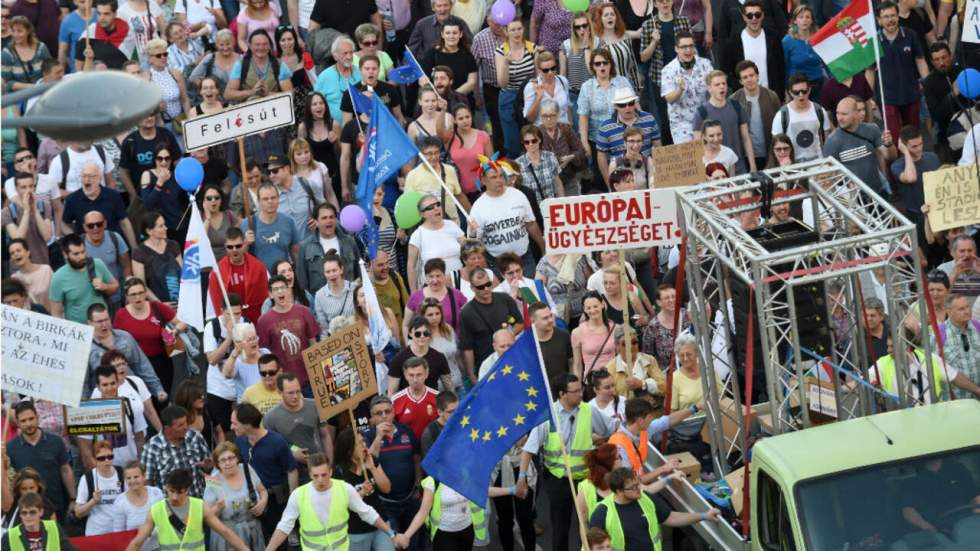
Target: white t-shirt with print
x: 124, y: 444
x: 502, y: 222
x: 100, y: 519
x: 196, y: 12
x: 803, y: 131
x: 442, y: 243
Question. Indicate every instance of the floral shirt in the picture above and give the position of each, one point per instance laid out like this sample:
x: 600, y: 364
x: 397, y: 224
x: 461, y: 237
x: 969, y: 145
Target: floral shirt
x: 554, y: 24
x: 658, y: 341
x: 681, y: 113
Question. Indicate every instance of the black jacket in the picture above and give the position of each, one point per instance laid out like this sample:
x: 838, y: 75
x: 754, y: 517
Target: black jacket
x: 729, y: 22
x: 732, y: 53
x: 938, y: 91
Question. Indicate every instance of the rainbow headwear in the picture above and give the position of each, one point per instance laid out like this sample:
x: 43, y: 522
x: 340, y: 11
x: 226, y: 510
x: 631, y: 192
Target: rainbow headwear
x: 487, y: 163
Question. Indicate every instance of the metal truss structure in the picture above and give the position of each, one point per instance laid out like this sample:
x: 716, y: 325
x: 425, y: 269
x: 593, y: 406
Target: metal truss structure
x: 860, y: 239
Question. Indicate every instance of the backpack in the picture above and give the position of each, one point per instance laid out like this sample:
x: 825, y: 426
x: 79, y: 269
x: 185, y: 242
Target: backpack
x: 161, y: 270
x: 960, y: 126
x: 90, y: 478
x: 90, y: 268
x: 247, y: 63
x: 66, y: 161
x: 784, y: 120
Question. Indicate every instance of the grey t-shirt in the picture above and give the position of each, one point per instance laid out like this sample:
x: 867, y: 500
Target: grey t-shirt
x: 300, y: 429
x: 756, y: 128
x: 731, y: 117
x: 856, y: 150
x: 108, y: 252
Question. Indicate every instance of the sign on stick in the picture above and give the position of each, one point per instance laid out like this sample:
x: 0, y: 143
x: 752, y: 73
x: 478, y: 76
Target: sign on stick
x: 627, y: 220
x: 952, y: 196
x: 241, y: 120
x: 43, y: 356
x: 341, y: 372
x: 95, y: 417
x: 678, y: 165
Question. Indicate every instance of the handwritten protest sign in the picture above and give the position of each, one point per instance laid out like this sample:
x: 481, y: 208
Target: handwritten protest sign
x: 952, y: 196
x: 971, y: 26
x: 43, y: 356
x: 678, y: 165
x: 341, y: 372
x: 95, y: 417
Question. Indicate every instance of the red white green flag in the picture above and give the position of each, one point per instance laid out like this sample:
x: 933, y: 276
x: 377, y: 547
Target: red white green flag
x: 847, y: 42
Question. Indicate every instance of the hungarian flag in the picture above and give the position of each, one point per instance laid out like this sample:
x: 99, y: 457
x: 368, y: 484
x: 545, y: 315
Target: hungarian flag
x: 847, y: 42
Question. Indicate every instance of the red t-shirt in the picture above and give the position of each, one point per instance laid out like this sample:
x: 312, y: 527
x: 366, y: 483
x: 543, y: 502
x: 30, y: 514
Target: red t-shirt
x: 147, y: 331
x: 415, y: 414
x: 287, y: 335
x: 34, y: 542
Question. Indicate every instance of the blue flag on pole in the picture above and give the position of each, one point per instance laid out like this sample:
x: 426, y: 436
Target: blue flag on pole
x: 410, y: 73
x: 387, y: 147
x: 505, y: 405
x: 360, y: 102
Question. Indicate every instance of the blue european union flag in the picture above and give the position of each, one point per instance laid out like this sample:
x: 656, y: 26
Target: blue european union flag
x: 410, y: 73
x: 387, y: 147
x: 360, y: 102
x: 504, y: 406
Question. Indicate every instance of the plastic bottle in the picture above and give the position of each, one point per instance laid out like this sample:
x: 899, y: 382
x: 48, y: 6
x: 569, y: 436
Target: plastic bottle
x: 389, y: 33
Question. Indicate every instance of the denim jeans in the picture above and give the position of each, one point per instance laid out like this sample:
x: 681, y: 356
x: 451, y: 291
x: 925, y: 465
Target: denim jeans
x: 372, y: 541
x: 573, y: 109
x: 508, y: 122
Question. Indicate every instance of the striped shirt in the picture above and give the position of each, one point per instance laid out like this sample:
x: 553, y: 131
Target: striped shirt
x: 610, y: 138
x: 485, y: 43
x: 518, y: 72
x: 578, y: 70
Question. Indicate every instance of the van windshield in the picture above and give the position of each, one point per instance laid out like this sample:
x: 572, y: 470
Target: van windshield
x: 928, y: 502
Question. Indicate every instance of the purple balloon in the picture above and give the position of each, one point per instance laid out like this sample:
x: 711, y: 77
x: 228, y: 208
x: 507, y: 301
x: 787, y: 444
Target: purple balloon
x: 503, y: 12
x: 352, y: 218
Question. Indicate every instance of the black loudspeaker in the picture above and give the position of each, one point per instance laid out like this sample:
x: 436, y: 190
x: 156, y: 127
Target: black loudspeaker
x: 810, y: 300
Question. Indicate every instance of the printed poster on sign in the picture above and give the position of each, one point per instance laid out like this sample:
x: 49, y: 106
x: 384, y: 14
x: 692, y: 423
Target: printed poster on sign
x: 242, y: 120
x: 627, y: 220
x: 951, y: 194
x: 95, y: 417
x: 43, y: 356
x: 341, y: 372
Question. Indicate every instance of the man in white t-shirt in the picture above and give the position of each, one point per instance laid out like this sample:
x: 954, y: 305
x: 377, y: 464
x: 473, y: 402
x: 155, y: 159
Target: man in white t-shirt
x: 217, y: 346
x: 502, y: 218
x: 130, y: 386
x: 126, y: 445
x: 25, y: 161
x: 77, y: 155
x: 805, y: 122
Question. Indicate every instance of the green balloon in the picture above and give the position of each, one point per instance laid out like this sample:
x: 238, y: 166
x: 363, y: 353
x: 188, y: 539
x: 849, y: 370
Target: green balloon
x: 407, y: 213
x: 575, y: 6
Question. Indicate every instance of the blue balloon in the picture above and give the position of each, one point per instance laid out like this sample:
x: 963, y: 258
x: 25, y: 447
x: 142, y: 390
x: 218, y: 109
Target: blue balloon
x: 969, y: 83
x: 189, y: 174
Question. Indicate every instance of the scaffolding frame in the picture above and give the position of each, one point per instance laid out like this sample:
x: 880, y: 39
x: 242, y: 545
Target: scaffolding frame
x: 859, y: 233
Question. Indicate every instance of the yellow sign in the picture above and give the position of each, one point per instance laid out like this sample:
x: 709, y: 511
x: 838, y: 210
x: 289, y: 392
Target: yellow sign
x: 341, y: 372
x: 678, y: 165
x: 953, y: 196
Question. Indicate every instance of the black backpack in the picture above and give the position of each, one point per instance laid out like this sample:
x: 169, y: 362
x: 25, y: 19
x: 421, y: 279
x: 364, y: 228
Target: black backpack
x: 784, y: 120
x: 159, y: 269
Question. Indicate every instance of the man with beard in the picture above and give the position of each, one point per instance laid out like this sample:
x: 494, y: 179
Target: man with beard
x: 937, y: 88
x: 80, y: 282
x: 45, y: 453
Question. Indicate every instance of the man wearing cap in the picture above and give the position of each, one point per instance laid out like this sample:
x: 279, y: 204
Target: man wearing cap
x: 610, y: 142
x: 298, y: 197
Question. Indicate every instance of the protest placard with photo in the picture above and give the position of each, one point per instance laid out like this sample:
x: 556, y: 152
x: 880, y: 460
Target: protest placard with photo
x: 341, y: 372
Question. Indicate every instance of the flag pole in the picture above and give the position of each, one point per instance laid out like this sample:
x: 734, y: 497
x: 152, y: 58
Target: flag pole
x: 582, y: 528
x: 881, y: 82
x: 443, y: 184
x: 221, y: 283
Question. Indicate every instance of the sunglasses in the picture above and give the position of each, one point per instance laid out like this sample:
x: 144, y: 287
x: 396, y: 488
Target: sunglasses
x: 783, y: 148
x: 234, y: 247
x: 582, y: 26
x: 421, y: 334
x: 531, y: 141
x: 753, y: 15
x: 212, y: 197
x: 94, y: 225
x: 600, y: 63
x: 274, y: 170
x: 802, y: 92
x: 966, y: 342
x: 161, y: 54
x: 369, y: 43
x: 163, y: 157
x: 431, y: 206
x: 627, y: 104
x: 547, y: 69
x: 23, y: 158
x: 486, y: 285
x: 105, y: 457
x: 269, y: 373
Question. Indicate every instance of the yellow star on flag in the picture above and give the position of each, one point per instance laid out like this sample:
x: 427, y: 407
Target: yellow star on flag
x: 531, y: 406
x: 474, y: 434
x: 502, y: 431
x: 492, y: 376
x: 523, y: 376
x: 507, y: 369
x: 465, y: 421
x: 519, y: 420
x: 486, y: 436
x: 531, y: 391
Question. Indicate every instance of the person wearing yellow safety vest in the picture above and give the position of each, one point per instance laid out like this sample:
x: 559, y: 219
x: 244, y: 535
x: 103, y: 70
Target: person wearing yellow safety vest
x: 32, y: 532
x: 633, y: 519
x: 594, y: 488
x: 640, y: 428
x: 323, y: 508
x: 455, y: 523
x: 918, y: 379
x: 579, y: 426
x: 179, y: 520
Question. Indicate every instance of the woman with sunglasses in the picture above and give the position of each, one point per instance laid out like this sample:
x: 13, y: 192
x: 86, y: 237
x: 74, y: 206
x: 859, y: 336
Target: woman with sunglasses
x: 609, y: 26
x: 781, y: 151
x: 300, y: 62
x: 217, y: 64
x: 95, y: 503
x: 257, y: 15
x: 159, y: 190
x: 539, y: 169
x: 130, y: 509
x: 575, y: 58
x: 170, y: 80
x: 238, y: 497
x: 547, y: 85
x: 444, y: 340
x: 592, y: 343
x: 257, y: 74
x: 300, y: 296
x: 435, y: 237
x: 183, y: 51
x: 217, y: 217
x: 595, y: 107
x: 322, y: 133
x: 368, y: 38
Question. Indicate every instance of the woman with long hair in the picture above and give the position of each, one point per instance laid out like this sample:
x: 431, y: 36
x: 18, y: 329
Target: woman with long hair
x: 600, y: 461
x: 189, y: 395
x: 433, y: 120
x: 213, y: 204
x: 300, y: 64
x: 514, y: 63
x: 354, y: 464
x: 257, y: 74
x: 799, y: 54
x: 595, y: 107
x: 616, y: 300
x: 131, y: 508
x: 217, y: 64
x: 592, y: 342
x: 301, y: 296
x: 382, y: 350
x: 311, y: 172
x: 609, y: 26
x: 22, y: 58
x: 238, y: 497
x: 465, y: 147
x: 159, y: 190
x: 157, y: 260
x: 389, y: 235
x: 27, y: 481
x: 322, y: 133
x: 257, y: 15
x: 210, y: 96
x: 453, y: 51
x: 96, y: 502
x: 781, y: 151
x: 443, y: 340
x: 575, y: 58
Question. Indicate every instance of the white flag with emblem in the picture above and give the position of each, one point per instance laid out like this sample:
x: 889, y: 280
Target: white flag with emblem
x: 197, y: 255
x: 380, y: 333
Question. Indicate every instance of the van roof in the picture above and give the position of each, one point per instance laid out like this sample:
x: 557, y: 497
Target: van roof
x: 871, y: 440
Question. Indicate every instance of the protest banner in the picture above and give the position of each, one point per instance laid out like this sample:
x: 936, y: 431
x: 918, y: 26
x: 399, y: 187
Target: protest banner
x: 95, y: 417
x: 951, y: 194
x: 341, y: 372
x: 43, y: 356
x: 971, y: 27
x: 678, y: 165
x: 239, y: 121
x: 113, y: 541
x: 630, y: 219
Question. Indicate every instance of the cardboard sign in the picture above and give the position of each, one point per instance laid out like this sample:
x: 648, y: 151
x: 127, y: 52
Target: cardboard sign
x: 341, y: 372
x: 678, y: 165
x: 952, y: 196
x: 820, y: 396
x: 631, y: 219
x: 238, y: 121
x: 43, y: 356
x: 971, y: 24
x: 95, y: 417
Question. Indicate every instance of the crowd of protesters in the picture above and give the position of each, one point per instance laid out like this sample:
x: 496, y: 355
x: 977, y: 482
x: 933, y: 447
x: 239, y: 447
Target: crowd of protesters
x: 221, y: 427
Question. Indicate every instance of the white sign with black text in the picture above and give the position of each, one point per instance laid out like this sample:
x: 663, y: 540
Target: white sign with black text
x: 238, y: 121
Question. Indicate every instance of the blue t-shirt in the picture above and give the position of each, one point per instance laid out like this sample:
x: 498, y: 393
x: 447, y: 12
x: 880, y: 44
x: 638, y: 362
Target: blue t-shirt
x: 71, y: 30
x: 271, y: 457
x: 272, y: 241
x: 398, y: 460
